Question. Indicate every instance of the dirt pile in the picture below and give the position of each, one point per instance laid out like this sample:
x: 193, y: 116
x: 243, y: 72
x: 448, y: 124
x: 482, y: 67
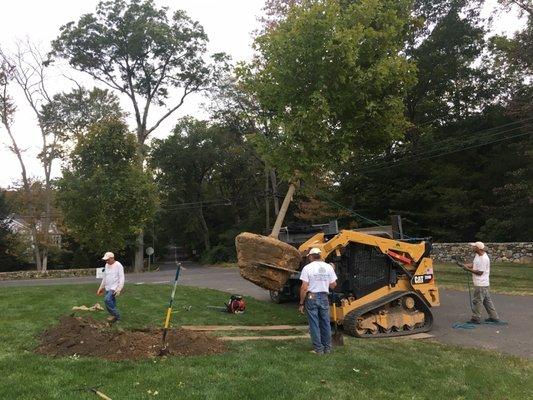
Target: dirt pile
x: 266, y: 261
x: 88, y: 337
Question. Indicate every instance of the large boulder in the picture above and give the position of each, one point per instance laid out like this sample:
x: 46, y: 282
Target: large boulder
x: 266, y: 261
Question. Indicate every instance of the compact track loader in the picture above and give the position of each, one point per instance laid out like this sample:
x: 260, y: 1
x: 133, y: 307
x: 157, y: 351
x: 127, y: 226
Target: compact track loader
x: 385, y: 287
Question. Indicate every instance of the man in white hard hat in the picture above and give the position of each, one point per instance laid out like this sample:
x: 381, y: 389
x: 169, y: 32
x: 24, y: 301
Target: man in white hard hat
x: 480, y: 270
x: 317, y: 279
x: 112, y: 284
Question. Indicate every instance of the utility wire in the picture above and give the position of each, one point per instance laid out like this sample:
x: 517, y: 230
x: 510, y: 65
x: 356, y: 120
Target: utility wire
x: 450, y: 141
x: 402, y: 161
x: 435, y: 147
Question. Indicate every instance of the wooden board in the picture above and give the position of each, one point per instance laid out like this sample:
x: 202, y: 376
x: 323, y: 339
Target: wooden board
x: 214, y: 328
x: 244, y: 338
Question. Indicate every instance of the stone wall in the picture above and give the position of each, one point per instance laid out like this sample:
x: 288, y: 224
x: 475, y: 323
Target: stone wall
x: 56, y: 273
x: 498, y: 252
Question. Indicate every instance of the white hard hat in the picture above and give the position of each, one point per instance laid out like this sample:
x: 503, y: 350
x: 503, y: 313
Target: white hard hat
x: 315, y: 250
x: 479, y: 245
x: 108, y: 255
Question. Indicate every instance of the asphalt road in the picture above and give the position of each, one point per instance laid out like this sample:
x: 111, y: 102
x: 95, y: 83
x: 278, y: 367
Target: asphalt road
x: 514, y: 338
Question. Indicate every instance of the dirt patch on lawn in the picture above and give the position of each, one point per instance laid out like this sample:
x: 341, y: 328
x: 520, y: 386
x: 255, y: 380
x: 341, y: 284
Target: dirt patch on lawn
x: 89, y: 337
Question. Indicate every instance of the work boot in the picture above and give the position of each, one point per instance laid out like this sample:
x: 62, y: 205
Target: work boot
x: 493, y: 320
x: 316, y: 352
x: 112, y: 319
x: 474, y: 321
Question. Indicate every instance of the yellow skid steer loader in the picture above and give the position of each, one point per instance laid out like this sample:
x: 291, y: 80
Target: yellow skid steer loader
x: 385, y: 287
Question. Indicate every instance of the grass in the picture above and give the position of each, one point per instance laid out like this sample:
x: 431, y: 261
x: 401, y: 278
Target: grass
x: 504, y: 278
x: 382, y: 369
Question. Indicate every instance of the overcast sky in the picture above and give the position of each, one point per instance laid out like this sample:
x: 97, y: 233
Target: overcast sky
x: 228, y: 23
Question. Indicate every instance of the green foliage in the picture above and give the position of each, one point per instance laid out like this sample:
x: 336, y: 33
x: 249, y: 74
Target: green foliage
x: 434, y: 178
x: 217, y: 254
x: 105, y: 196
x: 208, y: 178
x: 332, y: 76
x: 451, y: 83
x: 71, y: 114
x: 135, y: 48
x: 11, y: 247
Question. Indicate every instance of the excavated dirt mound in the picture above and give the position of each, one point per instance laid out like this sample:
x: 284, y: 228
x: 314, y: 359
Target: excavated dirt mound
x: 258, y: 256
x: 88, y: 337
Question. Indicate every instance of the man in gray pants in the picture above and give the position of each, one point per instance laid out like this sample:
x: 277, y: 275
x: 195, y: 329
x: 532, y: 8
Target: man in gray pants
x: 480, y: 270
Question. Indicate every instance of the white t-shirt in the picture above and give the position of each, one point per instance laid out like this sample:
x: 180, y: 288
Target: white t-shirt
x: 114, y: 276
x: 319, y: 275
x: 481, y: 263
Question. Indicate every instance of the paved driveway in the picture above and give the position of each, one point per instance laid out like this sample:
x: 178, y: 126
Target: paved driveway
x: 514, y: 338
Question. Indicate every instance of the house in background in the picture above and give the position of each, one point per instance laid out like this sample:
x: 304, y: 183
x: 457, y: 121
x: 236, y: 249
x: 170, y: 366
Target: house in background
x: 20, y: 226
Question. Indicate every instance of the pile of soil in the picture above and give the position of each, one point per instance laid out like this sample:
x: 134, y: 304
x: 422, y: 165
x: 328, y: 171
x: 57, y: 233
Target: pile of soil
x: 89, y: 337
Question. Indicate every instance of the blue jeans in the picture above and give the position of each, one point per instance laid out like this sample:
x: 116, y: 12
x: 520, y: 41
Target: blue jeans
x: 317, y: 309
x: 111, y: 303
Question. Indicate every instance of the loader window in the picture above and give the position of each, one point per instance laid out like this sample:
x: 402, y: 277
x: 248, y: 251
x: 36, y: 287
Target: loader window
x: 363, y: 269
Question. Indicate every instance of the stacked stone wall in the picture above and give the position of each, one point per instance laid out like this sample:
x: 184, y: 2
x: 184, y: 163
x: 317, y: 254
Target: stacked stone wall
x: 55, y: 273
x: 515, y: 252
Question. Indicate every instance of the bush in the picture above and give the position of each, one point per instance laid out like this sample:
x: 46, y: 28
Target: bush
x: 218, y: 254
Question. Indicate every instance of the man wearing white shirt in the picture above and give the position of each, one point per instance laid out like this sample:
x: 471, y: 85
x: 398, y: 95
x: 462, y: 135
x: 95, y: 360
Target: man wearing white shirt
x: 317, y: 278
x: 112, y: 284
x: 480, y: 270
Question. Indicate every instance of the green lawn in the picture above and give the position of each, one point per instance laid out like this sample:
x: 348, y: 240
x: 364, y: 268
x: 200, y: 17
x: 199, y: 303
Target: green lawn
x: 504, y: 278
x: 380, y: 369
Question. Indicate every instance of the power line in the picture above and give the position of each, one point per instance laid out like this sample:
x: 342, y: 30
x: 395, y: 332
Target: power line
x: 437, y: 145
x: 401, y: 161
x: 451, y: 143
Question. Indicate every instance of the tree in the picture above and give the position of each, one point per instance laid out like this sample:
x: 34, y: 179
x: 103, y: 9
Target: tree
x: 26, y: 68
x: 136, y: 49
x: 333, y: 76
x: 464, y: 146
x: 105, y: 196
x: 71, y: 114
x: 210, y: 183
x: 9, y: 254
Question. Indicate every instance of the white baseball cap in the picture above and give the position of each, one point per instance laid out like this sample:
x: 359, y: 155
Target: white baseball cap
x: 108, y: 255
x: 315, y: 250
x: 479, y: 245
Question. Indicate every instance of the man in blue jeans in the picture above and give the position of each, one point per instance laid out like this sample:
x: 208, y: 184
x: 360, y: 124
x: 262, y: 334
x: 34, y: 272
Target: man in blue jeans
x: 112, y: 283
x: 317, y: 278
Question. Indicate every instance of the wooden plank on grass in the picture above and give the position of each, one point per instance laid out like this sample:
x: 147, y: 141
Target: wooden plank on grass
x: 421, y: 335
x: 244, y: 338
x: 213, y: 328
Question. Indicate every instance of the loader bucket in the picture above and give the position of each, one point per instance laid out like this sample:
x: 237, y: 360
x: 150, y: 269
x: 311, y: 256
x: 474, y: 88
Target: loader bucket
x: 266, y: 261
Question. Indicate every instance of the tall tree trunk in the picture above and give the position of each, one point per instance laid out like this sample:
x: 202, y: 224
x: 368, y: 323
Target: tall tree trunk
x: 138, y: 263
x: 44, y: 265
x: 283, y: 210
x: 36, y: 251
x: 47, y: 220
x: 205, y: 229
x: 274, y: 180
x: 139, y: 253
x: 267, y: 205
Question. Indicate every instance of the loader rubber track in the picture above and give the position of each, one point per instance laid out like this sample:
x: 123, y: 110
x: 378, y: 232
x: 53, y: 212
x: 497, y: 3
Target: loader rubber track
x: 350, y: 321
